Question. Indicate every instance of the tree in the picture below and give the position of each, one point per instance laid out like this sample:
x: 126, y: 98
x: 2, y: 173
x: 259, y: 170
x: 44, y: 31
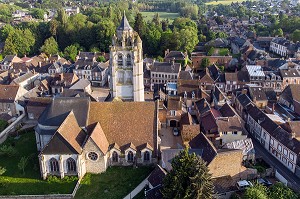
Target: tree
x: 22, y: 164
x: 101, y: 59
x: 205, y: 63
x: 156, y: 19
x: 280, y: 191
x: 53, y: 26
x: 296, y: 35
x: 189, y: 178
x: 211, y: 51
x: 105, y: 29
x: 50, y: 47
x: 258, y: 191
x: 37, y: 13
x: 278, y: 32
x: 71, y: 52
x: 2, y: 170
x: 139, y: 26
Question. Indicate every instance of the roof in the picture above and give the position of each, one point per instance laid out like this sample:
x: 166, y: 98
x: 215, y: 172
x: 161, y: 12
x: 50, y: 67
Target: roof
x: 60, y: 108
x: 157, y: 175
x: 202, y: 142
x: 124, y: 25
x: 246, y: 145
x: 81, y: 84
x: 244, y: 100
x: 98, y: 136
x: 186, y: 75
x: 289, y: 73
x: 177, y: 55
x: 291, y: 92
x: 165, y: 67
x: 227, y: 124
x: 231, y: 76
x: 257, y: 93
x: 138, y: 126
x: 227, y: 111
x: 24, y: 77
x: 255, y: 70
x: 224, y: 184
x: 68, y: 139
x: 8, y: 93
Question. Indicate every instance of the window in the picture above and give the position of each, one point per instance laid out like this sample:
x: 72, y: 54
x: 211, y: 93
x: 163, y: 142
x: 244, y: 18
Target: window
x: 285, y: 152
x: 279, y: 147
x: 234, y: 132
x: 291, y: 156
x: 115, y: 157
x: 54, y: 166
x: 128, y: 62
x: 224, y: 133
x: 272, y: 142
x: 146, y: 156
x: 130, y: 156
x: 71, y: 165
x: 172, y: 112
x: 284, y: 160
x: 93, y: 156
x: 120, y: 60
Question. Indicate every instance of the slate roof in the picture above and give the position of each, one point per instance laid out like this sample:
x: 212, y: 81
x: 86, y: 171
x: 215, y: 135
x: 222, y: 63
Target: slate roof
x: 227, y: 111
x: 186, y: 75
x: 224, y: 184
x: 291, y: 92
x: 60, y: 108
x: 202, y: 142
x: 289, y: 73
x: 157, y: 175
x: 165, y: 67
x: 178, y: 55
x: 23, y: 78
x: 257, y: 93
x: 124, y: 25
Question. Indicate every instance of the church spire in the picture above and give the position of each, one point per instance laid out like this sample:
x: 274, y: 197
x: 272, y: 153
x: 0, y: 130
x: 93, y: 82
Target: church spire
x: 124, y: 24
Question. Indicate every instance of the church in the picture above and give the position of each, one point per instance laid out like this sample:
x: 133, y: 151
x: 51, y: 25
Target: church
x: 126, y: 64
x: 75, y: 136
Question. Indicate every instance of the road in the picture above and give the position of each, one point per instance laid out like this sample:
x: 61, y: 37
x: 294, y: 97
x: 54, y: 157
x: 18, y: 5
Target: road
x: 273, y: 162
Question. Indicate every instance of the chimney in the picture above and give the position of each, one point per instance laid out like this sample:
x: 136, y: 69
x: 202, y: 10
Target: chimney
x: 40, y: 64
x: 244, y: 91
x: 173, y: 61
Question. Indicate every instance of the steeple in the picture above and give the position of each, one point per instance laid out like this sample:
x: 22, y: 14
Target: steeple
x: 124, y: 24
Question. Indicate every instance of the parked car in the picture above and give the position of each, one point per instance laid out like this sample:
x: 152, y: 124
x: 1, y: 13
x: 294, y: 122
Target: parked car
x: 243, y: 184
x: 264, y: 181
x: 175, y: 131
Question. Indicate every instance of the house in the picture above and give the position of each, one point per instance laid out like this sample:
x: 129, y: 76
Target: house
x: 231, y: 81
x: 282, y: 145
x: 75, y: 136
x: 26, y: 80
x: 174, y: 111
x: 9, y: 99
x: 218, y: 60
x: 279, y: 45
x: 82, y: 85
x: 177, y: 56
x: 289, y: 76
x: 155, y: 182
x: 56, y: 68
x: 163, y: 72
x: 258, y: 96
x: 255, y: 74
x: 36, y: 105
x: 290, y: 97
x: 71, y: 10
x: 8, y: 61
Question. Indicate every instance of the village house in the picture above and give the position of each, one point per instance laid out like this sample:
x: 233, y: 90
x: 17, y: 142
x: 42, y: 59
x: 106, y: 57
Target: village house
x: 75, y: 136
x: 8, y: 62
x: 9, y: 99
x: 289, y: 76
x: 290, y: 98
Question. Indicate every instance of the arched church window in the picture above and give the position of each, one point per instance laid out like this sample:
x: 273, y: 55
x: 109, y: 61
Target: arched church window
x: 115, y: 157
x: 120, y: 60
x: 71, y: 165
x: 146, y: 156
x: 54, y: 166
x: 130, y: 156
x: 128, y: 61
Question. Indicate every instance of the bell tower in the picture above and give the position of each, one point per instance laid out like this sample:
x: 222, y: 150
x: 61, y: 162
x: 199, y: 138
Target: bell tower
x: 126, y: 64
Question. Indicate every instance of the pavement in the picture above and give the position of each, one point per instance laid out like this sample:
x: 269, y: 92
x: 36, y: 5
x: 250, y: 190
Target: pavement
x: 168, y: 140
x: 276, y: 164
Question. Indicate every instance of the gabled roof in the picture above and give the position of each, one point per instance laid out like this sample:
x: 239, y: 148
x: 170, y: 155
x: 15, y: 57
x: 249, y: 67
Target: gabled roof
x: 165, y: 67
x: 227, y: 124
x: 68, y: 139
x: 227, y: 111
x: 81, y: 84
x: 291, y: 92
x: 157, y: 175
x: 98, y: 136
x: 8, y: 93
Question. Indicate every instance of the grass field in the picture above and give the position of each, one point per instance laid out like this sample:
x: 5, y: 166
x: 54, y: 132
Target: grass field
x: 115, y: 183
x: 14, y: 182
x: 148, y: 16
x: 224, y: 2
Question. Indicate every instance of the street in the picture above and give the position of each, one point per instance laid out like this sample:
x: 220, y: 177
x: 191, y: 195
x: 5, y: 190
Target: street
x: 273, y: 162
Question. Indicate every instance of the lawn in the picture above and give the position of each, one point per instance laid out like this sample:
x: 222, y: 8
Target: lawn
x: 224, y: 2
x: 115, y: 183
x: 14, y: 182
x: 148, y: 16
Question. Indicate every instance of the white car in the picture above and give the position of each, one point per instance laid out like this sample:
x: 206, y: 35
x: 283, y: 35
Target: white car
x: 175, y: 131
x: 243, y: 184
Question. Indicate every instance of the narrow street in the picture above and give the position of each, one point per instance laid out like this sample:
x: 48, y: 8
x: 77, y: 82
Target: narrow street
x: 272, y: 161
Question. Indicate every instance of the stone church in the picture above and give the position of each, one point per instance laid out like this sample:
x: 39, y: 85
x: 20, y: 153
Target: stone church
x: 75, y: 136
x: 126, y: 64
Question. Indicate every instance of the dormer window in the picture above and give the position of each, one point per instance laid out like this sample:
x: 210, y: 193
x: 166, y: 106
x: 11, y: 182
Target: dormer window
x: 130, y: 156
x: 146, y: 156
x: 115, y: 156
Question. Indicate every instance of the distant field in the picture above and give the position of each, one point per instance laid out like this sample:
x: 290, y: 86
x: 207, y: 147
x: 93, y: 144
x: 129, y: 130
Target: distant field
x: 224, y: 2
x: 162, y: 15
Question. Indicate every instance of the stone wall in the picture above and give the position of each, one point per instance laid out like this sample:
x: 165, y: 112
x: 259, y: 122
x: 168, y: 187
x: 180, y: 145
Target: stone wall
x: 92, y: 166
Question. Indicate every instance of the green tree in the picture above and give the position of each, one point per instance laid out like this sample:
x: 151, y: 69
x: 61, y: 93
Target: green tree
x: 205, y: 63
x: 139, y: 26
x: 4, y: 32
x: 189, y: 178
x: 258, y: 191
x: 152, y: 39
x: 101, y: 59
x: 37, y: 13
x: 188, y: 39
x: 156, y: 19
x: 53, y: 26
x: 296, y: 35
x: 280, y: 191
x: 50, y: 47
x: 23, y: 163
x: 105, y: 29
x: 62, y: 17
x: 71, y: 52
x: 278, y: 32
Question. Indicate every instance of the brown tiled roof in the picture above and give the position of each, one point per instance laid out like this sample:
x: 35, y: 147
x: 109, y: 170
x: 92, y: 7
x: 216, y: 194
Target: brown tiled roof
x: 36, y: 105
x: 69, y: 137
x: 98, y: 136
x: 8, y: 93
x: 227, y: 111
x: 174, y: 104
x: 291, y: 92
x: 189, y: 132
x: 226, y: 124
x: 126, y: 122
x: 231, y: 77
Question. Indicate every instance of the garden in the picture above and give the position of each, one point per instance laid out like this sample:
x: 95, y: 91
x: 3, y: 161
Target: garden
x: 20, y: 173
